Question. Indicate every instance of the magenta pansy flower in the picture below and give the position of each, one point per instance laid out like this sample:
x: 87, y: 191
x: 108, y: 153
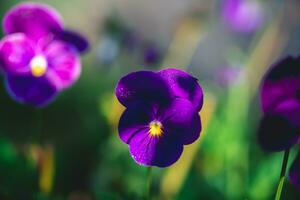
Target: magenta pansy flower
x: 161, y: 114
x: 279, y: 129
x: 38, y: 56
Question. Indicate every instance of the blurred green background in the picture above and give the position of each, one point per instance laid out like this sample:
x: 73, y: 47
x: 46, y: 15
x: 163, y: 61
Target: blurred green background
x: 71, y: 150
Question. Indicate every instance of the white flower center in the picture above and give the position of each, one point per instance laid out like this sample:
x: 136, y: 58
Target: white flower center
x: 38, y: 65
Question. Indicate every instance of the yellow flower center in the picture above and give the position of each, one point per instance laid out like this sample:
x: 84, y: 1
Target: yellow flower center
x: 155, y: 129
x: 38, y: 66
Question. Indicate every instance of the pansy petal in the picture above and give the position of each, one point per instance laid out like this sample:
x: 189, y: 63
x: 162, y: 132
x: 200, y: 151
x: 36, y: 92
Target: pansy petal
x: 135, y: 118
x: 33, y: 19
x: 154, y: 151
x: 280, y: 129
x: 294, y: 172
x: 181, y: 120
x: 75, y: 39
x: 183, y: 85
x: 64, y: 64
x: 16, y: 52
x: 144, y: 86
x: 281, y: 82
x: 30, y: 90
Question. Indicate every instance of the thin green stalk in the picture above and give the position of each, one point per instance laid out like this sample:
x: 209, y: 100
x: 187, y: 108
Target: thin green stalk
x: 39, y: 123
x: 282, y: 174
x: 148, y: 184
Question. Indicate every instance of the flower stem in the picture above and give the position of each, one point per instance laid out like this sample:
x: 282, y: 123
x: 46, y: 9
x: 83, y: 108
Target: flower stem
x: 38, y: 137
x: 148, y: 184
x: 282, y: 174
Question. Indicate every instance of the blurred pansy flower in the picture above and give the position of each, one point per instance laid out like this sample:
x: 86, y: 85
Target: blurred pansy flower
x: 243, y: 15
x: 38, y: 57
x: 226, y: 76
x: 279, y: 129
x: 151, y: 54
x: 161, y: 114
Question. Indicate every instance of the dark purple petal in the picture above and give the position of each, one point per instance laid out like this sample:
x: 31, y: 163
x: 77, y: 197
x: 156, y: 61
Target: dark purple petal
x: 181, y: 120
x: 294, y: 172
x: 134, y: 119
x: 75, y: 39
x: 280, y: 83
x: 154, y: 151
x: 280, y: 129
x: 64, y: 66
x: 142, y: 86
x: 33, y: 19
x: 30, y: 90
x: 183, y: 85
x: 16, y: 52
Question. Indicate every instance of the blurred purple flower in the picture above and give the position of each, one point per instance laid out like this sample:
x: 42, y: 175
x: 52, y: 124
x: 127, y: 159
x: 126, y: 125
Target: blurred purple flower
x: 151, y: 54
x: 227, y: 75
x: 37, y: 56
x: 161, y: 114
x: 280, y: 96
x: 243, y: 15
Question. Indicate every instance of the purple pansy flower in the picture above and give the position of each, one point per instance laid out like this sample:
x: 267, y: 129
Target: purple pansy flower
x: 161, y: 114
x: 38, y: 57
x: 243, y: 15
x: 280, y: 96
